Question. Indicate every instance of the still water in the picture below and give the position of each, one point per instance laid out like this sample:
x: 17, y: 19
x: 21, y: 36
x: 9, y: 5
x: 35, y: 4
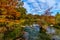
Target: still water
x: 32, y: 32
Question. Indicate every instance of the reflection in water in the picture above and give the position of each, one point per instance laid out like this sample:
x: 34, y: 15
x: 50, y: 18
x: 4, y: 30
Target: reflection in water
x: 50, y: 30
x: 56, y: 37
x: 31, y: 33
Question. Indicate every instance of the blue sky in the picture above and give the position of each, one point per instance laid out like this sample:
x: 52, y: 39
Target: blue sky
x: 39, y: 6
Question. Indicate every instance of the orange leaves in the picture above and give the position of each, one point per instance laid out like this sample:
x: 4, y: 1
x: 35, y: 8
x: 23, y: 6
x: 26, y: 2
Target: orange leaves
x: 51, y: 19
x: 2, y: 20
x: 13, y: 2
x: 17, y: 21
x: 3, y: 29
x: 18, y: 14
x: 3, y: 11
x: 10, y: 10
x: 48, y: 19
x: 9, y: 14
x: 10, y: 0
x: 8, y: 3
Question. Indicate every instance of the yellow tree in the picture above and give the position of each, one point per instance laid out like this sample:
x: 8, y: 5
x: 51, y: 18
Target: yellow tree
x: 9, y: 16
x: 8, y: 11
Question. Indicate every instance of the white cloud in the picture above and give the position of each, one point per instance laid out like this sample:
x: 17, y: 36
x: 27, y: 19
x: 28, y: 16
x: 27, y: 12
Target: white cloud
x: 50, y: 2
x: 35, y: 4
x: 26, y: 6
x: 44, y: 4
x: 31, y: 1
x: 58, y: 6
x: 42, y: 0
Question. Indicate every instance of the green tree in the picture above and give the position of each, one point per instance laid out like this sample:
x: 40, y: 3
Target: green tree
x: 57, y: 18
x: 23, y: 11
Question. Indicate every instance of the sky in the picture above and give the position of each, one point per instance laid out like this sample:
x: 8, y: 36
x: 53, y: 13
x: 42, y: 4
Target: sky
x: 39, y: 6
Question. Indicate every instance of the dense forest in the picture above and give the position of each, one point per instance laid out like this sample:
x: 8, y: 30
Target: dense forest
x: 14, y: 17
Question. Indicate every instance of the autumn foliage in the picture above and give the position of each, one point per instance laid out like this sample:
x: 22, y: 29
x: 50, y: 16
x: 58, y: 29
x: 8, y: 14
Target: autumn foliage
x: 8, y: 13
